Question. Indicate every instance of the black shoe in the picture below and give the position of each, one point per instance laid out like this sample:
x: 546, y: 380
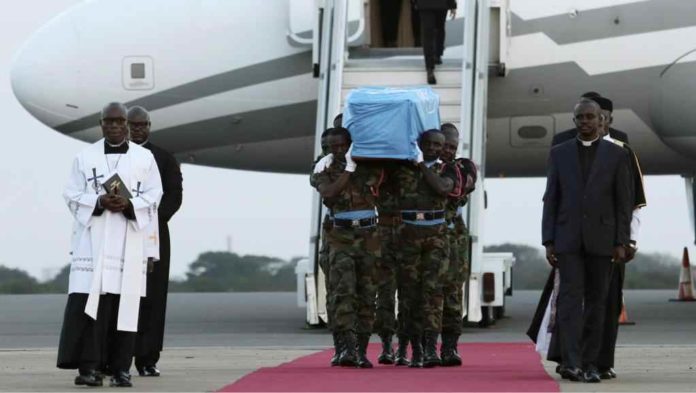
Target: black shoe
x: 148, y: 371
x: 363, y: 341
x: 337, y: 349
x: 591, y: 375
x: 558, y: 369
x: 604, y: 374
x: 349, y: 355
x: 431, y: 77
x: 430, y: 358
x: 121, y: 379
x: 89, y: 378
x: 416, y: 352
x: 448, y: 352
x: 572, y: 373
x: 402, y: 352
x: 612, y: 372
x: 387, y: 355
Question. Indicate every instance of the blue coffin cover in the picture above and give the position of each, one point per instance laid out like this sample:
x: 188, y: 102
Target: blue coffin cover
x: 386, y: 122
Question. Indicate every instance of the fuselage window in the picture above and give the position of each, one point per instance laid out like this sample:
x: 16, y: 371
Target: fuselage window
x: 138, y: 71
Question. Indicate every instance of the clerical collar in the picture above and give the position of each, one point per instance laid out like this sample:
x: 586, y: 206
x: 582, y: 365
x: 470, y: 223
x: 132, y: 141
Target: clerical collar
x: 588, y: 143
x: 144, y: 143
x: 120, y: 148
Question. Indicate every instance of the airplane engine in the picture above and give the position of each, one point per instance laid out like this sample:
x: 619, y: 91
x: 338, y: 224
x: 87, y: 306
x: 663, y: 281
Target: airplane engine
x: 672, y: 108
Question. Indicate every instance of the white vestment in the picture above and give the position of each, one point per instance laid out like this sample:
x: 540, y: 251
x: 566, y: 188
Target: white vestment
x: 109, y: 252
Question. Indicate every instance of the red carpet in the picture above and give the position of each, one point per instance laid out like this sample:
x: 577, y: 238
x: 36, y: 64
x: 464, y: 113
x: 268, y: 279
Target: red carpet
x: 488, y: 367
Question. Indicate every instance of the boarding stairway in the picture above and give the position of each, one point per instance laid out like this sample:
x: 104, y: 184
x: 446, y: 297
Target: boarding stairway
x: 462, y: 87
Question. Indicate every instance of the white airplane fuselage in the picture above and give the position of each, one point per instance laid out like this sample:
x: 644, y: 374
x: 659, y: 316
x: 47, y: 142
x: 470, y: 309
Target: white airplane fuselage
x: 227, y: 85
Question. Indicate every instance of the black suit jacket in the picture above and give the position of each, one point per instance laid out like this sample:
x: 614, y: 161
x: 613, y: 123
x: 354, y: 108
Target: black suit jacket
x: 435, y: 4
x: 595, y: 216
x: 573, y: 132
x: 170, y: 173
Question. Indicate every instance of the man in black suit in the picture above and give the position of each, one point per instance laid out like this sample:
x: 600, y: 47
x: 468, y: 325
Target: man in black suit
x: 607, y: 108
x: 153, y: 307
x: 585, y: 228
x: 433, y: 14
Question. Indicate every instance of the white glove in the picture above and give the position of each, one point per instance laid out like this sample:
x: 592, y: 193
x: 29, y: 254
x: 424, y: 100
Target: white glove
x: 419, y: 155
x: 350, y: 164
x: 324, y: 163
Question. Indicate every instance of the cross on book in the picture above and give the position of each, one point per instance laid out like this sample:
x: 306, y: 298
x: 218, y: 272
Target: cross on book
x: 137, y: 190
x: 95, y: 185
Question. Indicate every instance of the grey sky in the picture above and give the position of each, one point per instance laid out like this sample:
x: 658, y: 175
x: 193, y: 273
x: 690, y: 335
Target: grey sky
x: 274, y: 220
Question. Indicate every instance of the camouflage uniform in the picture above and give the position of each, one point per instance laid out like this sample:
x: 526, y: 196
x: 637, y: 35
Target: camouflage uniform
x: 458, y: 269
x: 352, y: 251
x: 387, y: 264
x: 424, y: 250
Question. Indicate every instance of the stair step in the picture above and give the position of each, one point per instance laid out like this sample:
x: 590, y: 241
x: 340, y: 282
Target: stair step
x: 447, y: 95
x: 384, y: 77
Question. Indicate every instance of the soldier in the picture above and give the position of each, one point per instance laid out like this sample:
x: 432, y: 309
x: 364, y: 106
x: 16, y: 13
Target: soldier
x: 458, y: 239
x: 320, y: 165
x: 387, y: 265
x: 424, y: 187
x: 349, y: 191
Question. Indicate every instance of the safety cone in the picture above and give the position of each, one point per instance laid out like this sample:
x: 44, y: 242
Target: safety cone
x: 686, y: 285
x: 623, y: 318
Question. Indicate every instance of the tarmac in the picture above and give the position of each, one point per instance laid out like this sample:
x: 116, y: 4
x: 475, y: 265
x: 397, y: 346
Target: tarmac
x: 214, y: 339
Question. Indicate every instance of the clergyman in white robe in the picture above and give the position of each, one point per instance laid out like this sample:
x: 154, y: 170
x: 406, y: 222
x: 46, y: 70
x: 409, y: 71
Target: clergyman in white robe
x: 109, y: 253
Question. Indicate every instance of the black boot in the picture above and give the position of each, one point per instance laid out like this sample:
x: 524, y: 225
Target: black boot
x: 363, y: 340
x: 349, y: 356
x: 431, y: 77
x: 416, y: 351
x: 337, y: 348
x: 448, y: 352
x: 402, y: 352
x: 430, y: 358
x: 387, y: 355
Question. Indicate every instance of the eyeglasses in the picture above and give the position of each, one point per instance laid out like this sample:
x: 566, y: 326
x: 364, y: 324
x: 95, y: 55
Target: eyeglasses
x: 136, y: 124
x: 117, y: 121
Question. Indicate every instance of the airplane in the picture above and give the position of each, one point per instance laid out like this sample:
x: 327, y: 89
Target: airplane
x: 230, y: 81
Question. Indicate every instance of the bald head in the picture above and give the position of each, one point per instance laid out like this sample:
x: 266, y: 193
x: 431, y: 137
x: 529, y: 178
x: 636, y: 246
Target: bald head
x: 113, y: 123
x: 139, y: 124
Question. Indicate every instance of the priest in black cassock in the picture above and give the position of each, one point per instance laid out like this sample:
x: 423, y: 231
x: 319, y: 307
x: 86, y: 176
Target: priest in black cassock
x: 153, y: 307
x: 112, y: 192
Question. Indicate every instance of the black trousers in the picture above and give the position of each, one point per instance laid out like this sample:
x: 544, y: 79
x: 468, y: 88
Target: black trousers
x: 390, y: 13
x: 432, y: 35
x: 611, y: 322
x: 87, y: 344
x: 582, y: 306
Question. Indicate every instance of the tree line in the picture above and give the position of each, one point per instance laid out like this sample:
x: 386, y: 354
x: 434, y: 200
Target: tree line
x: 230, y: 272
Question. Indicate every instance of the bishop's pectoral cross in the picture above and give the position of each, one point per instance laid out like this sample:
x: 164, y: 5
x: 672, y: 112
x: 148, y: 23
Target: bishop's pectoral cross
x: 137, y: 190
x: 94, y: 179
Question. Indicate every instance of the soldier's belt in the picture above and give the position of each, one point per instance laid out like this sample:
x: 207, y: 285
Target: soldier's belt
x: 350, y: 224
x: 423, y: 216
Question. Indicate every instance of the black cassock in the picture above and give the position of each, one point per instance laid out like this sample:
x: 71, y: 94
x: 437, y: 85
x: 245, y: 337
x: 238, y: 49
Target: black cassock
x: 154, y: 306
x: 87, y: 344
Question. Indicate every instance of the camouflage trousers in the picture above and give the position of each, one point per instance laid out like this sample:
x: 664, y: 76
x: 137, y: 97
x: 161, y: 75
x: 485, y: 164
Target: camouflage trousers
x: 325, y: 267
x: 352, y: 262
x: 455, y: 277
x: 424, y: 260
x: 387, y: 269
